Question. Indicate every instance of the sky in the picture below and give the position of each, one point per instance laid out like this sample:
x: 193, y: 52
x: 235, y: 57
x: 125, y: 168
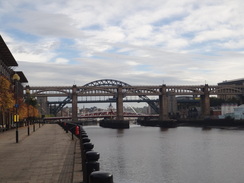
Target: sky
x: 146, y: 42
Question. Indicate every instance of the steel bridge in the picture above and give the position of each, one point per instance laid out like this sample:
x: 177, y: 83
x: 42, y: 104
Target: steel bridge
x: 102, y: 114
x: 119, y: 90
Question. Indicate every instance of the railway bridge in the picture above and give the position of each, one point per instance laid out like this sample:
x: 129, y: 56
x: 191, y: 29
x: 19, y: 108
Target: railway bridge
x: 119, y: 90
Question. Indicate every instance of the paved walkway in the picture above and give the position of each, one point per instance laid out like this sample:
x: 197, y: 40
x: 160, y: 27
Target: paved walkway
x: 47, y: 155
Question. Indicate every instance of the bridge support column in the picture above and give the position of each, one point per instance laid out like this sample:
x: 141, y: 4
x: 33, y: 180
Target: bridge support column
x: 163, y: 104
x: 205, y: 102
x: 119, y: 104
x: 74, y: 104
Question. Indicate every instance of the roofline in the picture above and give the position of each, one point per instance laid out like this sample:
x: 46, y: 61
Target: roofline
x: 6, y: 55
x: 233, y: 80
x: 23, y: 79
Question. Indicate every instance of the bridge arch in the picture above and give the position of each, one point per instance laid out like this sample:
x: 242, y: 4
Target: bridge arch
x: 107, y: 82
x: 226, y: 90
x: 51, y: 91
x: 48, y: 90
x: 113, y: 82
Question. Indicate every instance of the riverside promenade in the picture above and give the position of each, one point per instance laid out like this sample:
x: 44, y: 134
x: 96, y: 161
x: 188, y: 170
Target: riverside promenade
x: 48, y: 155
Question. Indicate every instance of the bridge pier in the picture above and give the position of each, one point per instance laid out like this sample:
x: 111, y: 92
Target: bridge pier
x: 163, y: 104
x: 119, y: 104
x: 74, y: 104
x: 205, y: 102
x: 119, y: 122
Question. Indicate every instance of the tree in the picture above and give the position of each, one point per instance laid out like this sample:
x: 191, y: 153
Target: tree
x: 23, y: 110
x: 28, y: 108
x: 6, y: 97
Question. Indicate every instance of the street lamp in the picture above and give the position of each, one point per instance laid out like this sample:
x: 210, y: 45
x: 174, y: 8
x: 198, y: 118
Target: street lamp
x: 33, y: 115
x: 28, y: 105
x: 16, y: 78
x: 39, y: 109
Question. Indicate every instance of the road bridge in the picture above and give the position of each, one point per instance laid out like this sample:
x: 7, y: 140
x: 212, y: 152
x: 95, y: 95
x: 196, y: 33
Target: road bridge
x: 101, y: 115
x: 119, y: 90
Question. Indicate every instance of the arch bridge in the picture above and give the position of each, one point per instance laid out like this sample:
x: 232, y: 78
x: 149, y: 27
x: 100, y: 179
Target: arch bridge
x: 118, y: 90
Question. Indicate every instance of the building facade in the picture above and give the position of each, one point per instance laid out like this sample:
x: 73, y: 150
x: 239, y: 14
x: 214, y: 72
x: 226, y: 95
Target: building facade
x: 239, y: 112
x: 233, y: 82
x: 10, y: 91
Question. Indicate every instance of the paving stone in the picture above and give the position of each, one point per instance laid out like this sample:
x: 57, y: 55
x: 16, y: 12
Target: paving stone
x: 47, y: 155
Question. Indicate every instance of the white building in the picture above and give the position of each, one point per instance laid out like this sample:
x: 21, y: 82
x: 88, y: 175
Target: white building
x: 239, y: 112
x: 227, y: 110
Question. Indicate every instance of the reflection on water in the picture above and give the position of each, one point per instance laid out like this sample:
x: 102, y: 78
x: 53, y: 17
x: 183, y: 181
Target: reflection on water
x: 177, y: 155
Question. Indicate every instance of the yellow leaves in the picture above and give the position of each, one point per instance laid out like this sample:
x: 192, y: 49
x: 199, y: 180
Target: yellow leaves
x: 6, y: 95
x: 26, y: 111
x: 7, y: 101
x: 23, y: 111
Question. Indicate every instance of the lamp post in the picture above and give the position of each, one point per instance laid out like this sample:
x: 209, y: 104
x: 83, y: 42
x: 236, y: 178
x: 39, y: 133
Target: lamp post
x: 33, y: 115
x: 28, y: 112
x: 16, y: 78
x: 39, y: 109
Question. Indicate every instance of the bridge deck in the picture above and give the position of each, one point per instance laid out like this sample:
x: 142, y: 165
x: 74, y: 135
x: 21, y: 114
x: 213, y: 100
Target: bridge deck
x: 47, y: 155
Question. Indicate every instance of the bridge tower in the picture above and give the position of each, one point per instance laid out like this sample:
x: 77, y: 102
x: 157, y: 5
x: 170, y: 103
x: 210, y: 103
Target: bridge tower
x: 74, y: 104
x: 163, y: 104
x: 119, y: 103
x: 205, y: 102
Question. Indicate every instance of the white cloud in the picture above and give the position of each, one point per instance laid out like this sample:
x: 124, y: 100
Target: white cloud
x: 131, y: 63
x: 219, y: 35
x: 139, y: 43
x: 47, y: 24
x: 41, y: 51
x: 61, y: 61
x: 233, y: 44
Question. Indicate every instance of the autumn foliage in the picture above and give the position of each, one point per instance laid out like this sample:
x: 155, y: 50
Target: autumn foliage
x: 7, y: 102
x: 27, y: 110
x: 6, y: 95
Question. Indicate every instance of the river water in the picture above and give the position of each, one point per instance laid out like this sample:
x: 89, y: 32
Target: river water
x: 175, y: 155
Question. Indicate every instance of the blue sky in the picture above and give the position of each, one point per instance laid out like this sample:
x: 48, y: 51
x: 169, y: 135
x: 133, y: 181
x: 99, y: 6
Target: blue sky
x: 176, y: 42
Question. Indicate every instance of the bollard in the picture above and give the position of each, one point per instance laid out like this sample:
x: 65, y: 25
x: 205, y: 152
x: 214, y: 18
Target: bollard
x: 84, y: 140
x: 101, y: 177
x: 82, y: 130
x: 86, y: 147
x: 77, y: 130
x: 92, y: 156
x: 91, y: 164
x: 64, y: 126
x: 84, y: 135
